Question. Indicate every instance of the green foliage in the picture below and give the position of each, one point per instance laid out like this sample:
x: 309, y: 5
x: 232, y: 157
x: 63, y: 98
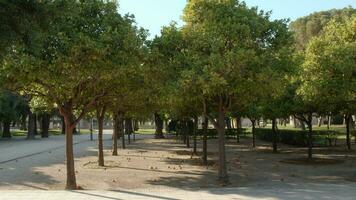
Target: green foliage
x: 296, y: 137
x: 310, y: 26
x: 19, y: 23
x: 237, y: 52
x: 12, y: 107
x: 165, y: 62
x: 328, y: 73
x: 85, y: 47
x: 230, y: 133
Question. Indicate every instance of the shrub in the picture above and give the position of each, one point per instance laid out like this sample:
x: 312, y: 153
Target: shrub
x: 297, y: 137
x: 229, y: 133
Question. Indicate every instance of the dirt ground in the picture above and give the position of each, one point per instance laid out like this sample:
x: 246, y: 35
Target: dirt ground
x: 151, y: 163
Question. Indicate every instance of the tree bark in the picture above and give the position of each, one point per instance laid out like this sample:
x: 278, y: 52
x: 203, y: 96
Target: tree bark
x: 136, y: 125
x: 121, y: 129
x: 63, y: 126
x: 6, y: 130
x: 184, y: 131
x: 35, y: 123
x: 195, y: 135
x: 115, y: 134
x: 228, y: 123
x: 348, y: 137
x: 71, y: 179
x: 294, y: 122
x: 23, y: 122
x: 128, y: 128
x: 205, y: 140
x: 253, y: 121
x: 31, y: 131
x: 219, y: 125
x: 275, y: 136
x: 45, y: 120
x: 238, y: 124
x: 220, y: 128
x: 159, y: 126
x: 187, y: 132
x: 320, y: 121
x: 310, y: 136
x: 91, y: 130
x: 100, y: 113
x: 302, y: 125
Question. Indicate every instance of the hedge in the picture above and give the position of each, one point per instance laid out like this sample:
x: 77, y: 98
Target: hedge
x: 230, y: 133
x: 297, y: 137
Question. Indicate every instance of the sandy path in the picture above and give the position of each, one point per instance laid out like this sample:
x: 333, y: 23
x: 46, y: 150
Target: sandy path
x: 165, y: 169
x: 318, y: 191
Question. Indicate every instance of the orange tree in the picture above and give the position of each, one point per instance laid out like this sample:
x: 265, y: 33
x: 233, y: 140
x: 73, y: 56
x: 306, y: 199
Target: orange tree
x: 231, y: 46
x: 74, y: 61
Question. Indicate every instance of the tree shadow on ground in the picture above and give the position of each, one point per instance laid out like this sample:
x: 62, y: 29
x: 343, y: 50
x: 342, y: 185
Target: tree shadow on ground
x: 25, y: 172
x: 262, y: 168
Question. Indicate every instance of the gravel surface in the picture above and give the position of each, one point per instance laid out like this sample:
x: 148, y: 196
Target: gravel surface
x: 166, y: 169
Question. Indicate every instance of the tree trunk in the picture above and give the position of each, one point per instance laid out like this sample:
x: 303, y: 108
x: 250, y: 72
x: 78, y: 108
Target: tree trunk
x: 348, y: 123
x: 159, y: 126
x: 100, y: 113
x: 35, y: 123
x: 205, y: 140
x: 121, y: 129
x: 63, y: 126
x: 91, y: 130
x: 166, y: 125
x: 136, y: 125
x: 187, y: 125
x: 329, y: 122
x: 275, y: 136
x: 195, y: 135
x: 320, y: 121
x: 253, y: 121
x: 294, y: 122
x: 23, y: 122
x: 184, y: 131
x: 71, y: 180
x: 228, y: 123
x: 128, y: 128
x: 45, y: 120
x: 6, y: 130
x: 302, y: 125
x: 31, y: 131
x: 115, y: 134
x: 220, y: 128
x: 238, y: 124
x: 310, y: 136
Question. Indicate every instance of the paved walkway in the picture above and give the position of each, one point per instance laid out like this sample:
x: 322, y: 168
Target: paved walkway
x: 18, y: 147
x: 316, y: 191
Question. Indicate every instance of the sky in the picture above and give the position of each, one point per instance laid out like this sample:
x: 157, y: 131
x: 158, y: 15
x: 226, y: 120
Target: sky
x: 153, y: 14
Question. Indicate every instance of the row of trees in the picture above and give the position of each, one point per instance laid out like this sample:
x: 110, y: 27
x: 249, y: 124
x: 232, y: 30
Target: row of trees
x: 228, y: 60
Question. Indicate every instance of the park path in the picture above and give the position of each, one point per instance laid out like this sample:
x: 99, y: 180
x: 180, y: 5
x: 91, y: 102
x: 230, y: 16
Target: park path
x: 308, y: 191
x: 22, y: 158
x: 18, y: 147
